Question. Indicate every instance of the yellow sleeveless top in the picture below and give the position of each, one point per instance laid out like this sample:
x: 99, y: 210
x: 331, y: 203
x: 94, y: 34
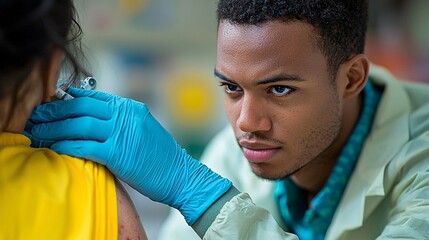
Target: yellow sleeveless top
x: 44, y: 195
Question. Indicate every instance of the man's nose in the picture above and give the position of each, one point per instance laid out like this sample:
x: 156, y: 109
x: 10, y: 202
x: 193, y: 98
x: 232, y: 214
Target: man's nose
x: 253, y: 116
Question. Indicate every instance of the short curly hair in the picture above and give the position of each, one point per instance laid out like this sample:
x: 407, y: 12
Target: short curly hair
x: 340, y: 24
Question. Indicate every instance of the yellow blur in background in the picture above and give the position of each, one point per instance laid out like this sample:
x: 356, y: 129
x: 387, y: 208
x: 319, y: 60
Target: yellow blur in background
x: 132, y: 7
x: 190, y: 98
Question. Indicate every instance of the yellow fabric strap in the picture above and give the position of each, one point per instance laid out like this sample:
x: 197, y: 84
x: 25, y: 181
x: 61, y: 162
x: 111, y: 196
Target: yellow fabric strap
x: 13, y: 139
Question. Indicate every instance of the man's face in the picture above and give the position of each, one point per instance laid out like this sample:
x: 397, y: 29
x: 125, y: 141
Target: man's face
x: 279, y: 97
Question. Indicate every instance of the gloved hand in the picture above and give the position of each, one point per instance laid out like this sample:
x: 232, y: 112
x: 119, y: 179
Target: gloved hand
x: 122, y: 134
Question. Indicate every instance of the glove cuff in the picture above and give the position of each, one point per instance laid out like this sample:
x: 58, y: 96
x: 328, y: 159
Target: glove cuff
x: 208, y: 217
x: 203, y: 199
x: 203, y: 188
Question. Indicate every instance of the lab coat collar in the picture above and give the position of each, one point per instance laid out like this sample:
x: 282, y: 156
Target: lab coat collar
x: 379, y: 149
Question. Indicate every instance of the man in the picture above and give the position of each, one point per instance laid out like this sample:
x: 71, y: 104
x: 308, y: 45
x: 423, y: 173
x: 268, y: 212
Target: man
x: 348, y: 150
x: 298, y: 101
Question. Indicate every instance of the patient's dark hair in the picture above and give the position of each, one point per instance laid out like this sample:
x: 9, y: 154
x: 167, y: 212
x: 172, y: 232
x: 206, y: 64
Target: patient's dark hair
x: 341, y: 24
x: 29, y: 31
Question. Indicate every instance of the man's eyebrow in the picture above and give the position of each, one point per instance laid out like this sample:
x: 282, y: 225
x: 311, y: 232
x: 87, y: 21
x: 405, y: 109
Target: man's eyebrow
x: 223, y: 77
x: 280, y: 78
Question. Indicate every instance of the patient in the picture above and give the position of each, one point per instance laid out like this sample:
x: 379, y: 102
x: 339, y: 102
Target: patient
x: 44, y: 195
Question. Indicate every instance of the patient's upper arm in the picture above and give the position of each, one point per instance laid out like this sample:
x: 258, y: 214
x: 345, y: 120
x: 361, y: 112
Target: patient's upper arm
x: 129, y: 225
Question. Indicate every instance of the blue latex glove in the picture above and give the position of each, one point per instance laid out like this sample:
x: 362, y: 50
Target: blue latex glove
x: 122, y: 134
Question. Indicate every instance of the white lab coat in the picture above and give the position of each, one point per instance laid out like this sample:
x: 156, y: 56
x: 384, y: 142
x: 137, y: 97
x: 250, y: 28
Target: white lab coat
x: 387, y: 196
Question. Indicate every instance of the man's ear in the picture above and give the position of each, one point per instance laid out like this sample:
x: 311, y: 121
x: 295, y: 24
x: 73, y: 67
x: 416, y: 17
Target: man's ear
x: 51, y: 73
x: 354, y: 74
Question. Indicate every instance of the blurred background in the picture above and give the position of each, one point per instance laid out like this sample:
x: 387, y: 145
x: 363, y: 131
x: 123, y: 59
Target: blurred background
x: 162, y: 52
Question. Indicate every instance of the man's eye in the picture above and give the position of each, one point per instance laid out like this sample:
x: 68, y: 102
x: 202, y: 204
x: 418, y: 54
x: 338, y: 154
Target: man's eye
x: 280, y: 90
x: 229, y: 88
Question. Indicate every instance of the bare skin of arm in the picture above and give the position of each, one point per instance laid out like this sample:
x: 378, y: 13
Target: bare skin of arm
x: 129, y: 225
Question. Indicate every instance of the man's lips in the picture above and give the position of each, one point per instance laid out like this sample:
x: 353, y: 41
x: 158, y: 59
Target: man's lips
x: 257, y: 152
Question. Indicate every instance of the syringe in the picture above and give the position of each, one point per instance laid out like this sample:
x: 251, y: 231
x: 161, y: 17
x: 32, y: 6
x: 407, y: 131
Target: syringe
x: 62, y: 95
x: 88, y: 83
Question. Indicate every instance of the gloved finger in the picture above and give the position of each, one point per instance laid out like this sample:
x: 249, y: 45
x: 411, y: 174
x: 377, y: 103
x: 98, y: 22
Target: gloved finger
x: 77, y: 93
x: 86, y: 128
x: 60, y: 110
x: 38, y: 143
x: 28, y: 126
x: 81, y: 149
